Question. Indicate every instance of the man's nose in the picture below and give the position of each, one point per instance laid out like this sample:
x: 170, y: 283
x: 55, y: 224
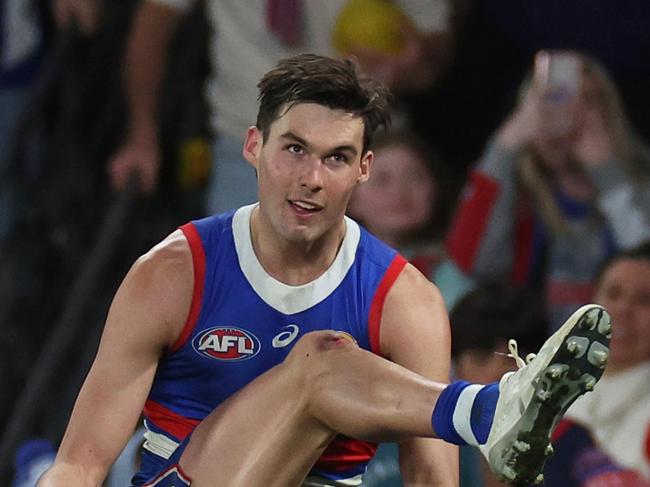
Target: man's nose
x: 311, y: 174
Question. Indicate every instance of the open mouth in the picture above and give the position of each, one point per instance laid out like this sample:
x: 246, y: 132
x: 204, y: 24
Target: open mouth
x: 305, y: 207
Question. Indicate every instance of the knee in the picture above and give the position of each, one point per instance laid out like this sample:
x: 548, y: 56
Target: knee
x: 317, y: 345
x: 315, y: 355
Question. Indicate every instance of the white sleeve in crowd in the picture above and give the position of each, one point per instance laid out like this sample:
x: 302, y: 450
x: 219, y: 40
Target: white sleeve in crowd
x: 428, y: 15
x: 182, y: 5
x: 625, y: 201
x: 627, y: 212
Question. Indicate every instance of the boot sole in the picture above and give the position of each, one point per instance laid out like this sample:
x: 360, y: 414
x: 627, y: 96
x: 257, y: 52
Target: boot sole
x: 573, y: 370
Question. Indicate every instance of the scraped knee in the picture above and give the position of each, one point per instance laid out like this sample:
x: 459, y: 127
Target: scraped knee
x: 317, y: 344
x: 314, y: 358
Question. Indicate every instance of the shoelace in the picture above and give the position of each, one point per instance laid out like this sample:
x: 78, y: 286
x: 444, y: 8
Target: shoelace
x: 514, y: 354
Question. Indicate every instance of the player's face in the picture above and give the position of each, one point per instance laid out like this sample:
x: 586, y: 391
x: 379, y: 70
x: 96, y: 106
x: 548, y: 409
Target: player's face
x: 624, y: 290
x: 307, y: 170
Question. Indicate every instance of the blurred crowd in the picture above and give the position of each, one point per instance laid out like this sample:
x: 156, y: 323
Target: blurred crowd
x: 516, y: 176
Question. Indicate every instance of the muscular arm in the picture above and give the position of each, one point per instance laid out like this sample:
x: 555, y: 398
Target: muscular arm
x: 415, y: 333
x: 146, y: 316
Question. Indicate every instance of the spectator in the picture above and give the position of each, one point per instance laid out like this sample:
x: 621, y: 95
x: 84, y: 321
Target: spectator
x: 404, y: 203
x: 495, y: 43
x: 617, y: 412
x: 483, y: 324
x: 249, y: 37
x: 579, y: 461
x: 547, y: 208
x: 24, y: 41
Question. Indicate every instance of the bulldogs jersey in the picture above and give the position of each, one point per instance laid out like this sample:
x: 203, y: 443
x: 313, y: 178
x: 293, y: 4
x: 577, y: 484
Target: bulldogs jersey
x: 242, y: 322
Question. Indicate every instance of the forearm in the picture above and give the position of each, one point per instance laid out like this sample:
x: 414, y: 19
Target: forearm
x: 153, y: 26
x: 480, y: 240
x: 435, y: 51
x: 67, y: 475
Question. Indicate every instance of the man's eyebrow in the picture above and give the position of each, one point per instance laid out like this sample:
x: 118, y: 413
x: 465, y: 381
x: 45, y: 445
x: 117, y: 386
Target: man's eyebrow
x: 341, y: 148
x: 295, y: 138
x: 345, y: 148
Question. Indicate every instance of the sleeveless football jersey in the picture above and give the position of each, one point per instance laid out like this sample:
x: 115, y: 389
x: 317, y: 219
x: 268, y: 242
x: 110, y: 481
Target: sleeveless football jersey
x: 242, y: 322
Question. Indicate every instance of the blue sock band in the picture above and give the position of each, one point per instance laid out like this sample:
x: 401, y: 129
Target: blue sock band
x: 474, y: 413
x: 483, y: 412
x: 443, y: 413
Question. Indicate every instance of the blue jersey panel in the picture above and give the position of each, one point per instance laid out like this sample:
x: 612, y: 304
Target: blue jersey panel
x: 244, y: 328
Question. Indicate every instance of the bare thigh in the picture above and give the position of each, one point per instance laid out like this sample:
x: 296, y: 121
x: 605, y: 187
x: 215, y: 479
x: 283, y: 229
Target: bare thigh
x: 265, y: 434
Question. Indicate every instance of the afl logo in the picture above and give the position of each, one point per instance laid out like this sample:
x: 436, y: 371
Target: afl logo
x: 227, y: 343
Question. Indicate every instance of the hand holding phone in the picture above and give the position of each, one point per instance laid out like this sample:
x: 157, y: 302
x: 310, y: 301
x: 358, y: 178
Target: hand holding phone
x: 558, y: 76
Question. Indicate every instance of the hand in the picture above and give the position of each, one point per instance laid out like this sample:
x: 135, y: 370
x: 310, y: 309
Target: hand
x: 84, y: 12
x: 139, y: 156
x: 592, y: 145
x: 375, y: 64
x: 412, y: 69
x: 524, y: 124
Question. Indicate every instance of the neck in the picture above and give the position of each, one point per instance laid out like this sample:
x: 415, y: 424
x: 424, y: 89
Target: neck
x: 293, y: 262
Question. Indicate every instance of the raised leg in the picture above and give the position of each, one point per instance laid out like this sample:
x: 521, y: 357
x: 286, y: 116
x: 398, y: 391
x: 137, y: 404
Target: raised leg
x: 273, y: 431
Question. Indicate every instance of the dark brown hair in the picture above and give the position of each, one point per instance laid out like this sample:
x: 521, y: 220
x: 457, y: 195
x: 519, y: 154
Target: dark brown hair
x: 639, y: 253
x: 334, y: 83
x: 493, y: 313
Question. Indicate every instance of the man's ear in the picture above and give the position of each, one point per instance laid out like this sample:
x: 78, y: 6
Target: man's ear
x: 365, y: 166
x: 253, y: 146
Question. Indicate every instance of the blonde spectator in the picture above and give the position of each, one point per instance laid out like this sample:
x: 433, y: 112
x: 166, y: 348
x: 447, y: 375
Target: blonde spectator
x: 563, y: 185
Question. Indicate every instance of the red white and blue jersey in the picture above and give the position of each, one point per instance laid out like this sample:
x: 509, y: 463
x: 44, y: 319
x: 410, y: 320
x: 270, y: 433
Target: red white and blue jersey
x: 242, y: 322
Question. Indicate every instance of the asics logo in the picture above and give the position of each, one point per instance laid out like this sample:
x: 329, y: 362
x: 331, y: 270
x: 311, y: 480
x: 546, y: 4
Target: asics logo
x: 284, y: 338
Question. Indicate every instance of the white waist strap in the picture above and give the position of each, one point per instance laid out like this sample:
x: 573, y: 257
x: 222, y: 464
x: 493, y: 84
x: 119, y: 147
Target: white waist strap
x: 159, y: 444
x: 314, y: 481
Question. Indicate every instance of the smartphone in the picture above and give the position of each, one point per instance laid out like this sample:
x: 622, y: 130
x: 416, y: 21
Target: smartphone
x: 558, y: 73
x: 558, y: 77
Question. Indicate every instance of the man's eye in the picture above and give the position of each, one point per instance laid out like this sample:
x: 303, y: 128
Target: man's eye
x: 296, y: 149
x: 338, y: 158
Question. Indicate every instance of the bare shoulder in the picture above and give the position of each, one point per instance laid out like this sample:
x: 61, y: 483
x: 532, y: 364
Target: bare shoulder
x: 172, y: 255
x: 412, y: 288
x: 157, y: 291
